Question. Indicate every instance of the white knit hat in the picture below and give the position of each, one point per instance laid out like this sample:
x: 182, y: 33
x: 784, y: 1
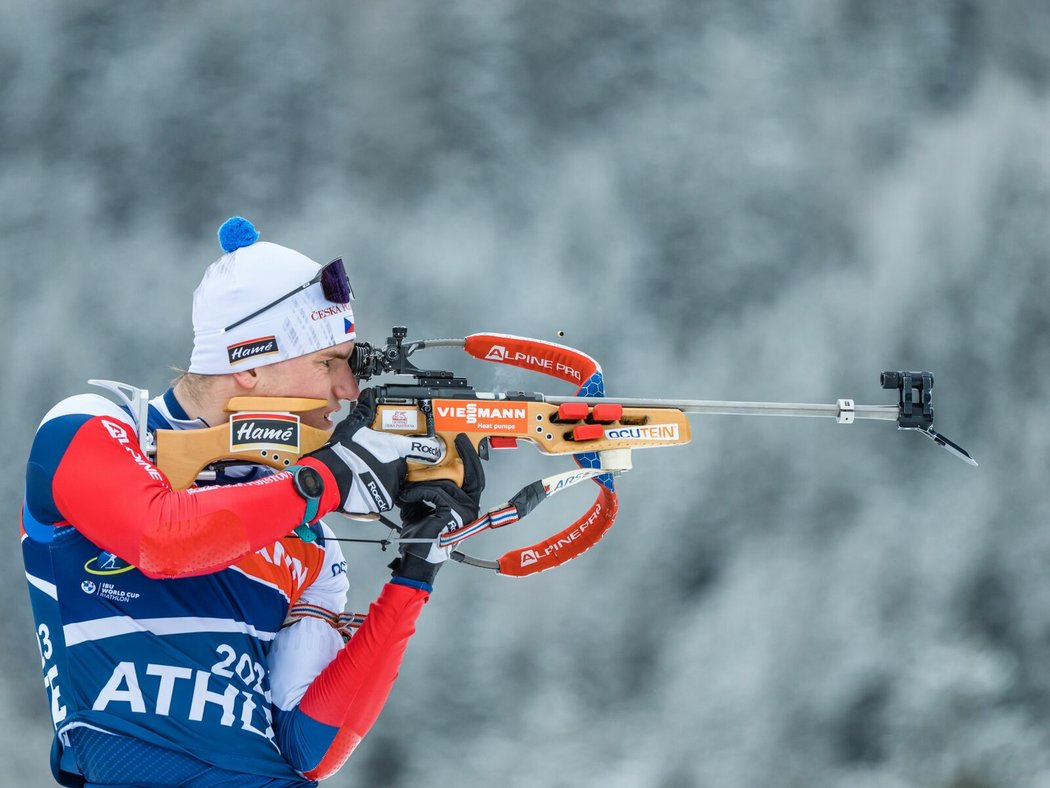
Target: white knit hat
x: 247, y: 278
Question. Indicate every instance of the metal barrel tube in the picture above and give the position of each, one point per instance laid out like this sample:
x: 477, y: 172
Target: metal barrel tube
x: 731, y: 408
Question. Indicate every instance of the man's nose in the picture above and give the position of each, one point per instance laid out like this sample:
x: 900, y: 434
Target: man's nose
x: 346, y: 386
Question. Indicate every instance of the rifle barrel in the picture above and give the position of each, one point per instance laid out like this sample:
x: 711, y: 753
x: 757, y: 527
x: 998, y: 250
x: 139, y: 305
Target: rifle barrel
x: 730, y: 408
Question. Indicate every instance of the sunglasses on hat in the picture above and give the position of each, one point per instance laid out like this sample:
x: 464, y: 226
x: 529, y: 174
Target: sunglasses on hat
x: 335, y: 285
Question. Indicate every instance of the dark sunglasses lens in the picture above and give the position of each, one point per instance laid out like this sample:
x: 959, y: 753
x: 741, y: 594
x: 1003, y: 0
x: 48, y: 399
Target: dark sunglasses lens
x: 335, y: 284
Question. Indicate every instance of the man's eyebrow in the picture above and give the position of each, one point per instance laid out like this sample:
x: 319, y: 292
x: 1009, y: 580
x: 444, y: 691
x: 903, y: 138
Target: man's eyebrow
x: 337, y: 354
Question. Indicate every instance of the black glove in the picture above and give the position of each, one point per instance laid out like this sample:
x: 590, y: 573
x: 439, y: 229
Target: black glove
x: 428, y: 509
x: 369, y: 466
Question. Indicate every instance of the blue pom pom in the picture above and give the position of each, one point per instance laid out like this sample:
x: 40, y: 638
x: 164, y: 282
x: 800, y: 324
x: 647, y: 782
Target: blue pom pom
x: 237, y: 232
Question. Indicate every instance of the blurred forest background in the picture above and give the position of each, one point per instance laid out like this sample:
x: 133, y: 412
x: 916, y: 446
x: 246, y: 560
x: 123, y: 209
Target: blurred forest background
x: 719, y: 199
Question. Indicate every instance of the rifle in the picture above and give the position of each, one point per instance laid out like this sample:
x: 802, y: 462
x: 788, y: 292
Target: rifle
x: 598, y: 431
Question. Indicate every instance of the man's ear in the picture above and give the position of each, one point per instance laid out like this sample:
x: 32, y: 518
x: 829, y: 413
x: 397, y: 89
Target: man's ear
x: 248, y: 379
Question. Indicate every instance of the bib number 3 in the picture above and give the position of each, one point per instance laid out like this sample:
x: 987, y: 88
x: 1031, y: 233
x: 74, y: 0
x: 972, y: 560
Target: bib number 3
x: 47, y: 650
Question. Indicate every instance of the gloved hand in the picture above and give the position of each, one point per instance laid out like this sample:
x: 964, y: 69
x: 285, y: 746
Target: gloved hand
x: 428, y: 509
x: 369, y: 466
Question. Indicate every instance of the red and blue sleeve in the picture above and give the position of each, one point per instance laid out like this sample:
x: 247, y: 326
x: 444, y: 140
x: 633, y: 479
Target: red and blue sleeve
x: 87, y: 470
x: 341, y: 704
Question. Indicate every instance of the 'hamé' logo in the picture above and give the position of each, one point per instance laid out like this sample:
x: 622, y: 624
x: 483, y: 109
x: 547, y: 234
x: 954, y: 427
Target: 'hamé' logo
x: 250, y: 348
x: 264, y: 431
x: 106, y: 563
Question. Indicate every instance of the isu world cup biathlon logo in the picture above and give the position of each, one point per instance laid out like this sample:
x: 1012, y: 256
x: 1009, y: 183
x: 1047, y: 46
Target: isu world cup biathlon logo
x: 106, y: 563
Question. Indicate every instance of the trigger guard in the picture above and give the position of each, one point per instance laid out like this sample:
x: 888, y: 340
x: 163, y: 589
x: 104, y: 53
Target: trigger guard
x: 364, y: 517
x: 425, y: 472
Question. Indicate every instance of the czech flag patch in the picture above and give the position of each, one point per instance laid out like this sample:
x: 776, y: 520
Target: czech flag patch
x: 348, y: 326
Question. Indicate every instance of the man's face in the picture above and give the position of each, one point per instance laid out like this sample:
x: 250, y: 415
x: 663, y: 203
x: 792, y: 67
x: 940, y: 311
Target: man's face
x: 324, y: 374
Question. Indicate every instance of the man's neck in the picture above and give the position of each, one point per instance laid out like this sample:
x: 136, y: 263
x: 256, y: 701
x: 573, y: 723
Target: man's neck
x: 211, y: 408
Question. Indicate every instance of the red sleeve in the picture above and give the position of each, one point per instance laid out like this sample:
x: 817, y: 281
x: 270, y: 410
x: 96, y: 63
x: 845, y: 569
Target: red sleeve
x: 352, y: 690
x: 120, y: 501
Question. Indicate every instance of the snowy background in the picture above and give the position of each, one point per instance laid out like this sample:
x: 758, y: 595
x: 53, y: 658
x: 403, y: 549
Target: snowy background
x: 718, y: 199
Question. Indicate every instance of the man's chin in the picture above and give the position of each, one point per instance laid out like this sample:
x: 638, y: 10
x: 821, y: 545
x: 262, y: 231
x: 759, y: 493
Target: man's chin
x: 318, y: 421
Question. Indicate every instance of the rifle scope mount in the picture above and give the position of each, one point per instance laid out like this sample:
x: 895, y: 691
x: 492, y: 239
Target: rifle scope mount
x: 367, y: 361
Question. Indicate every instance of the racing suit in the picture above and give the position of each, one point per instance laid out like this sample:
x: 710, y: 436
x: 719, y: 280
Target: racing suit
x: 159, y: 615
